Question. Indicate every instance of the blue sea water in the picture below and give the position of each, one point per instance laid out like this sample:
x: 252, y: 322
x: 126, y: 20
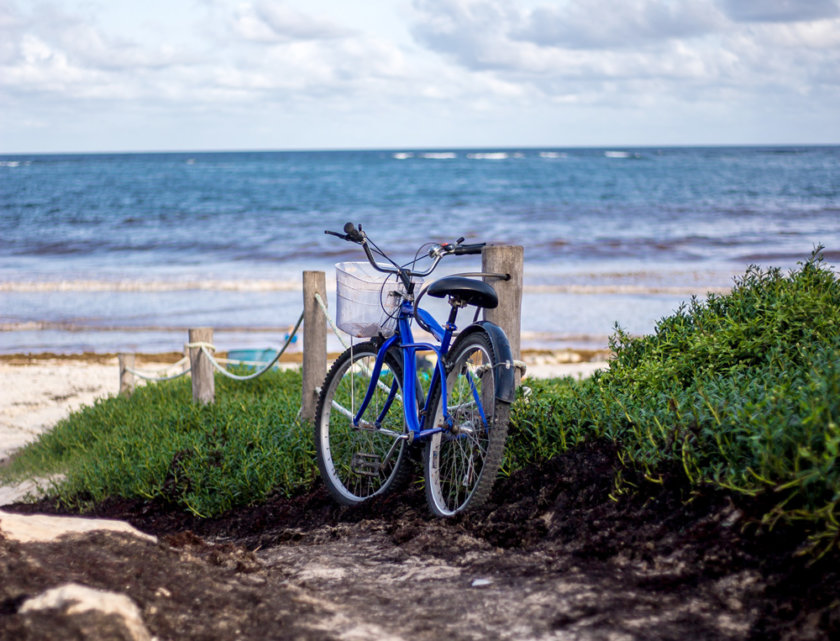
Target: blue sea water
x: 123, y: 252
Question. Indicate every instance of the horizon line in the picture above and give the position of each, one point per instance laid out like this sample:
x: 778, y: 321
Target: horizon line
x: 407, y: 148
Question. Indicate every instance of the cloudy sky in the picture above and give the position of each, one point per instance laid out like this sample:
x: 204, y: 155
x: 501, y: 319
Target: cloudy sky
x: 124, y: 75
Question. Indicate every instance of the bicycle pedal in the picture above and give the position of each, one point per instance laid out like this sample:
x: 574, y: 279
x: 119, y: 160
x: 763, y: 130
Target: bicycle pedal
x: 365, y: 464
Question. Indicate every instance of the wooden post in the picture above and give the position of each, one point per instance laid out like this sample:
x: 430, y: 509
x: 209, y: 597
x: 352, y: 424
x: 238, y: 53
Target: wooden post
x: 506, y: 259
x: 201, y: 369
x: 314, y: 341
x: 126, y: 377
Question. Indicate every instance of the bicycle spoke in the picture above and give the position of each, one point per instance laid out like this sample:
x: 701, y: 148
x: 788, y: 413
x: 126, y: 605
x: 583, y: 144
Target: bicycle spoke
x: 461, y: 464
x: 358, y: 461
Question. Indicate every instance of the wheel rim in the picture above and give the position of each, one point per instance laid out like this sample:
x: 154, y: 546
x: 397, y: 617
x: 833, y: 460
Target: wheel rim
x: 458, y: 457
x: 361, y: 461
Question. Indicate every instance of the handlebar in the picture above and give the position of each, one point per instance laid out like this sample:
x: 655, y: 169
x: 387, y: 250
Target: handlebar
x: 475, y: 248
x: 354, y: 234
x: 350, y: 233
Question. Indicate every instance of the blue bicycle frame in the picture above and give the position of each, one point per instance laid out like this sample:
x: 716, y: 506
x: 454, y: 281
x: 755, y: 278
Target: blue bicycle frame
x: 404, y: 339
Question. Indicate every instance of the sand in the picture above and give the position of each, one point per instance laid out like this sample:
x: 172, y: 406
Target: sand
x: 38, y: 391
x: 34, y: 396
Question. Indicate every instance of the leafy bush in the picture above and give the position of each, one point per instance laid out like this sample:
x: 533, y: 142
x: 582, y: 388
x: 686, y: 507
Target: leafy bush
x: 742, y: 391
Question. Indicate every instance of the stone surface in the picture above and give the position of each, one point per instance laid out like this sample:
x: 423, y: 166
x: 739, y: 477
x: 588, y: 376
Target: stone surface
x: 29, y: 528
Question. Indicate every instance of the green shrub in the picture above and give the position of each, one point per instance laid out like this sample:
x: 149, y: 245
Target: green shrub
x: 742, y: 391
x: 159, y: 444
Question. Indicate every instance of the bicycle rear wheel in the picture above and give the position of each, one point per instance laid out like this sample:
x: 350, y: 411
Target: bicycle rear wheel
x: 461, y: 464
x: 358, y: 462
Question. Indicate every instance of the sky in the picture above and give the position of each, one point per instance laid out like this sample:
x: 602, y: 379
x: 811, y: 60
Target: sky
x: 167, y: 75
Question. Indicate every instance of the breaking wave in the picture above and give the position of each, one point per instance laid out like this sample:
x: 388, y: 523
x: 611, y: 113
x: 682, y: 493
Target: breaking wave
x: 149, y: 286
x: 633, y: 290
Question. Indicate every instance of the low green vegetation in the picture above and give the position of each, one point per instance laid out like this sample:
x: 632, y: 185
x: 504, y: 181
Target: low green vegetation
x: 739, y: 391
x: 160, y: 445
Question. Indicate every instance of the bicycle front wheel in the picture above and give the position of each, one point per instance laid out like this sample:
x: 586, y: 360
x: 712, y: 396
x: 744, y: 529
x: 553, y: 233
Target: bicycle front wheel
x: 370, y: 458
x: 461, y: 463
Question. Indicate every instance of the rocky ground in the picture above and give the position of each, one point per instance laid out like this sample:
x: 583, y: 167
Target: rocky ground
x: 553, y: 556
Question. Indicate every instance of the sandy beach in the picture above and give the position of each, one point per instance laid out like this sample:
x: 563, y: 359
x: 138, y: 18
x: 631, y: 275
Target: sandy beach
x: 37, y: 391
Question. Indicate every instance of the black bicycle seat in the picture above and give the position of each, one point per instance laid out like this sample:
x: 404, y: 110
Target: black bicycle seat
x: 472, y: 292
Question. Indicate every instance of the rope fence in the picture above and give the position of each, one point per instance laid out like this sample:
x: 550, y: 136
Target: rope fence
x: 157, y: 378
x: 201, y: 362
x: 207, y: 349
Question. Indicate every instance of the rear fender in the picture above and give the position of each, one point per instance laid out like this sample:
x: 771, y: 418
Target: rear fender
x: 505, y: 371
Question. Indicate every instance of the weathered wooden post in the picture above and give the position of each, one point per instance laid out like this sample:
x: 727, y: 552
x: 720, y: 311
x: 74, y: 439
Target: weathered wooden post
x: 314, y: 341
x: 126, y: 378
x: 506, y: 259
x: 201, y: 369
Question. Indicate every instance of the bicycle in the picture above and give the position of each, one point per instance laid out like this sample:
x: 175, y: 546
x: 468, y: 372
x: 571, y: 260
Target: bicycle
x: 374, y: 411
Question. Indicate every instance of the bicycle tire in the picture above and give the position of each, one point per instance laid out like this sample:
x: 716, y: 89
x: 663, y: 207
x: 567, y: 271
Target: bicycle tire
x: 460, y: 466
x: 357, y: 463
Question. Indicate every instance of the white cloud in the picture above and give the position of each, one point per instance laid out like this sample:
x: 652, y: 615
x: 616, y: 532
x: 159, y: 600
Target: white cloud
x: 66, y: 55
x: 90, y: 47
x: 603, y: 24
x: 448, y: 70
x: 780, y: 10
x: 618, y: 47
x: 272, y: 21
x: 52, y: 55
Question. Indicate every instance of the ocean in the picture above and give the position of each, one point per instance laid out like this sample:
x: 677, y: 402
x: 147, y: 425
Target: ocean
x: 124, y: 252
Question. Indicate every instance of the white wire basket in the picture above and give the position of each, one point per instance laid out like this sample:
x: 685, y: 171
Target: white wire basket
x: 367, y: 301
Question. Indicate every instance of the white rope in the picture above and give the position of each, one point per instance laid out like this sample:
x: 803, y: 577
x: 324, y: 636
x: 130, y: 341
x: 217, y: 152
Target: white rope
x: 200, y: 345
x: 158, y: 377
x: 234, y: 361
x: 335, y: 329
x: 520, y: 365
x: 209, y: 347
x: 206, y: 347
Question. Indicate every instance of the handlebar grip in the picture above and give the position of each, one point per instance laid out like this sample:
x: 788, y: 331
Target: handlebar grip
x: 468, y: 249
x: 352, y: 233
